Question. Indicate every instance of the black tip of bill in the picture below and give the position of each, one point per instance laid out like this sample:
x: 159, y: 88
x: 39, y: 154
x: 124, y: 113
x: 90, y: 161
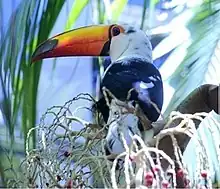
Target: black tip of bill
x: 43, y: 48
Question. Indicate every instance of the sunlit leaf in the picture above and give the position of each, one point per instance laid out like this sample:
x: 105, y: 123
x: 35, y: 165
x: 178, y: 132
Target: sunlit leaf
x: 77, y: 7
x: 202, y: 61
x: 116, y: 8
x: 208, y: 133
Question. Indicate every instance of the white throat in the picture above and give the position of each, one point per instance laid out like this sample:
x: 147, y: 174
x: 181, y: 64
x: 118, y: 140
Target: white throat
x: 131, y: 45
x: 137, y: 52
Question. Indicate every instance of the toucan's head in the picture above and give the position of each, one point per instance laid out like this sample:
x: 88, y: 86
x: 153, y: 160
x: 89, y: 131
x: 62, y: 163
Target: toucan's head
x: 114, y: 40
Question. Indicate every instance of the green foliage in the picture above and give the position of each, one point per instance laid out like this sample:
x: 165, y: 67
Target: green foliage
x: 116, y: 9
x: 143, y: 14
x: 75, y: 12
x: 19, y: 80
x: 201, y: 60
x: 7, y: 170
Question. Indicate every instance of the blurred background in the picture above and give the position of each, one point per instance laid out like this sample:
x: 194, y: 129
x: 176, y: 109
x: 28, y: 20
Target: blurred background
x: 185, y: 36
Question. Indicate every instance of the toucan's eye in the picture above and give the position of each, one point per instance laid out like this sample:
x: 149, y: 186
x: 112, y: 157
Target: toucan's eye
x: 115, y: 31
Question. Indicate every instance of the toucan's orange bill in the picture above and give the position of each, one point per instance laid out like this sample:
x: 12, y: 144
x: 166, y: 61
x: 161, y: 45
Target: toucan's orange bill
x: 85, y: 41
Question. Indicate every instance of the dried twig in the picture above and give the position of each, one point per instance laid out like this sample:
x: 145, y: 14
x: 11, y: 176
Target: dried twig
x: 70, y: 152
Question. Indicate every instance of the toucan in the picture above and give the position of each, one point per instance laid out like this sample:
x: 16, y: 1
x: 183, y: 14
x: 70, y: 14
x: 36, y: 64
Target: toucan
x: 131, y: 69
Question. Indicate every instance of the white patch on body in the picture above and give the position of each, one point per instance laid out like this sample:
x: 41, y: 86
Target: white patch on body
x: 158, y: 77
x: 152, y: 78
x: 144, y: 85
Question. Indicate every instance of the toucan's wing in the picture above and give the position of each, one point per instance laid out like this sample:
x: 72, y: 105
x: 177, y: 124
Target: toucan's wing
x: 135, y: 73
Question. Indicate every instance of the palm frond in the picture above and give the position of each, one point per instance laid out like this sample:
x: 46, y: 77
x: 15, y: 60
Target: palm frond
x: 19, y: 80
x: 202, y: 60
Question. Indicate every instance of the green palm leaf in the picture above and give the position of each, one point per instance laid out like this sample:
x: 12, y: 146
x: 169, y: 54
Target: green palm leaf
x: 19, y: 80
x: 202, y: 59
x: 77, y: 7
